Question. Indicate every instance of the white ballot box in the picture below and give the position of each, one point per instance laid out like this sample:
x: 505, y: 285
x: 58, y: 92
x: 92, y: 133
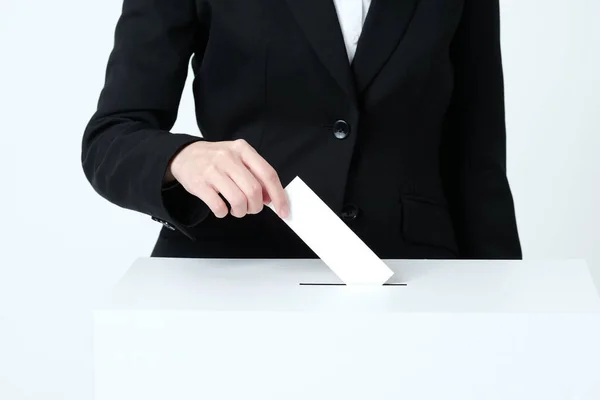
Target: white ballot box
x: 182, y: 329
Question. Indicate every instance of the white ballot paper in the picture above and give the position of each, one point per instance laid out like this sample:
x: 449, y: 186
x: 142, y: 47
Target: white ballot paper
x: 331, y: 240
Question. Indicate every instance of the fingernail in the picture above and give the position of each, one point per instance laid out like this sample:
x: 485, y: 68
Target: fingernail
x: 285, y: 212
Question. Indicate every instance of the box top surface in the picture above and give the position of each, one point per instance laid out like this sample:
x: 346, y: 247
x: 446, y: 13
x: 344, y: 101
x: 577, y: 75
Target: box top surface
x: 308, y: 285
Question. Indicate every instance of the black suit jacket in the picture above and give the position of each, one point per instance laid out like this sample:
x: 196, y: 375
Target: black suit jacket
x: 406, y: 144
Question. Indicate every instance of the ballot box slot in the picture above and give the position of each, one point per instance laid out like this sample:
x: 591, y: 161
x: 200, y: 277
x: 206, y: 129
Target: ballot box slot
x: 343, y: 284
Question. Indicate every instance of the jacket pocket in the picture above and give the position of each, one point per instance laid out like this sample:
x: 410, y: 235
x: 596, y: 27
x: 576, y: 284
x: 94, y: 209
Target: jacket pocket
x: 427, y: 222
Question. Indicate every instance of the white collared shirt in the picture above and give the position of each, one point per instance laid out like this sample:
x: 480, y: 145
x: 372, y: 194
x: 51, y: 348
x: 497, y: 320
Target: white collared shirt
x: 352, y: 14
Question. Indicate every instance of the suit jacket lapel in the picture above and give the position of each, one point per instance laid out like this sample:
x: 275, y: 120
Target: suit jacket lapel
x: 386, y: 23
x: 319, y: 21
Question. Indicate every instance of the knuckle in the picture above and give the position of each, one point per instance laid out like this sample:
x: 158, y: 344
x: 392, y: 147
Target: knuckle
x: 197, y: 182
x: 238, y: 202
x: 240, y: 143
x: 219, y: 209
x: 195, y: 190
x: 210, y: 170
x: 223, y: 154
x: 272, y: 176
x: 238, y: 212
x: 255, y: 191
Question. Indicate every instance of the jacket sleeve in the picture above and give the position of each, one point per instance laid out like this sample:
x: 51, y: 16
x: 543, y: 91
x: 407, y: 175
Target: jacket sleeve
x: 474, y: 144
x: 127, y: 145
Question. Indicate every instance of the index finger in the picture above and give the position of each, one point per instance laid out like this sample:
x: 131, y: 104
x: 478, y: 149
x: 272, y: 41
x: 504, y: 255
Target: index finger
x: 268, y: 178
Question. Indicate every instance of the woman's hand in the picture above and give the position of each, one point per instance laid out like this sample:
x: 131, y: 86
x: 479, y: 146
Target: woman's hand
x: 233, y: 169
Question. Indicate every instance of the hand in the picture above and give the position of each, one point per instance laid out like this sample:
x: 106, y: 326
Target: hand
x: 233, y: 169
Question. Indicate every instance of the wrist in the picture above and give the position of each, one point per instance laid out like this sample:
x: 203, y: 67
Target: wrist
x: 168, y: 177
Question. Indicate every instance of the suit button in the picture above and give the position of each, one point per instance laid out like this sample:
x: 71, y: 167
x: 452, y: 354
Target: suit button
x: 341, y: 129
x: 349, y: 212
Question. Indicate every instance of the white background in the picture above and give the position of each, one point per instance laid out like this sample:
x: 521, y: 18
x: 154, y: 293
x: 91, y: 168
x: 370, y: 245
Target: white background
x: 62, y: 245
